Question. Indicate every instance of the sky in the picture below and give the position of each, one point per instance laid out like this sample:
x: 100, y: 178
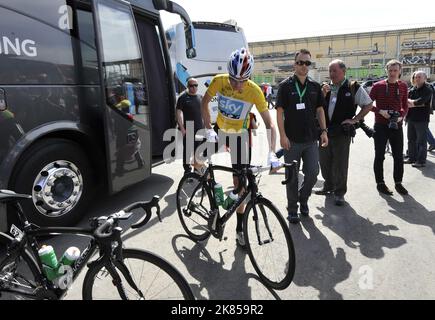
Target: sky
x: 284, y: 19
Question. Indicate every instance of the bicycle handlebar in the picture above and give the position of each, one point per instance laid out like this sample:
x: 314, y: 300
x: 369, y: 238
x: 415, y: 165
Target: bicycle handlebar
x: 147, y: 207
x: 100, y: 232
x: 104, y: 230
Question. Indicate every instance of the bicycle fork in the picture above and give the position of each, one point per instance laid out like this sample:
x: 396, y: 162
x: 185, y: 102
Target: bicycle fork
x: 257, y: 225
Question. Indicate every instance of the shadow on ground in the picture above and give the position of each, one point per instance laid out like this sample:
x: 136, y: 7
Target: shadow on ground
x: 214, y: 282
x: 359, y: 232
x: 317, y: 265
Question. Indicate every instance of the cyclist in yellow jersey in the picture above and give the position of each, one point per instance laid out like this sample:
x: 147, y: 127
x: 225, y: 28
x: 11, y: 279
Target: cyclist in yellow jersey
x: 236, y: 97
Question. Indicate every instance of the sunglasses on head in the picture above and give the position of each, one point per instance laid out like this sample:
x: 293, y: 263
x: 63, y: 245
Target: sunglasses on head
x: 193, y: 85
x: 301, y: 63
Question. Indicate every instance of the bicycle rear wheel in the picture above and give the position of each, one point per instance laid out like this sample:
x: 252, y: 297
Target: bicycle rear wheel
x: 155, y: 278
x: 269, y: 244
x: 18, y: 277
x: 194, y: 201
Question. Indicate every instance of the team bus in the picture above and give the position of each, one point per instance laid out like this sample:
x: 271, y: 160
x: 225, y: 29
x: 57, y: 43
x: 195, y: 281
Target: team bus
x: 86, y: 92
x: 214, y: 44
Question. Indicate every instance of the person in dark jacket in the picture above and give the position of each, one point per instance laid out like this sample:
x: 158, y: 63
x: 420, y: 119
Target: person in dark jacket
x: 342, y: 100
x: 418, y: 119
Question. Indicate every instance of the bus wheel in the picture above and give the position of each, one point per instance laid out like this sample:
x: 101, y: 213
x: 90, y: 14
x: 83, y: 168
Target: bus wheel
x: 58, y: 175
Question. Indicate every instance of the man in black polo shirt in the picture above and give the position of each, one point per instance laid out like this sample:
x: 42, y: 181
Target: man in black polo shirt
x: 189, y: 117
x: 299, y: 111
x: 342, y: 100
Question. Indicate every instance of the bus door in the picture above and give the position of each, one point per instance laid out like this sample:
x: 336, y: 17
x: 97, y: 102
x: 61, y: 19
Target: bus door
x: 125, y: 94
x: 161, y: 99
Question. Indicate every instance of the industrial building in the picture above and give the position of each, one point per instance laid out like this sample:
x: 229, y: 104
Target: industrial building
x: 365, y: 54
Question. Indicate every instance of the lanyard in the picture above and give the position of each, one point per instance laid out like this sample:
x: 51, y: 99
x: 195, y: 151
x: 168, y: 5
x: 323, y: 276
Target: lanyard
x: 301, y: 95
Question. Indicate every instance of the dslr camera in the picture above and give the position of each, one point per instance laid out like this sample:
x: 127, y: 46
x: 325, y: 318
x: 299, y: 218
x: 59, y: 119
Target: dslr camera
x: 394, y: 120
x: 350, y: 130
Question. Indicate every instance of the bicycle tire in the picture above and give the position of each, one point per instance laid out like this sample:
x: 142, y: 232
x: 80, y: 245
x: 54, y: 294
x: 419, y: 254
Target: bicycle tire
x: 250, y: 233
x: 161, y: 266
x: 24, y: 263
x: 199, y: 230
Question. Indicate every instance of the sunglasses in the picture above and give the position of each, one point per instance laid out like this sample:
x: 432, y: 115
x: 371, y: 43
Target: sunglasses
x: 301, y: 63
x: 193, y: 86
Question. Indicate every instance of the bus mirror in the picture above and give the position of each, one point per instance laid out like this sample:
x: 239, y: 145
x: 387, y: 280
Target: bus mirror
x: 3, y: 105
x: 190, y: 42
x: 162, y: 5
x: 175, y: 8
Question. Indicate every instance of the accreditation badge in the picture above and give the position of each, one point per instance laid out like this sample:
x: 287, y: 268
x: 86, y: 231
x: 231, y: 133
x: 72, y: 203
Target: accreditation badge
x: 300, y: 106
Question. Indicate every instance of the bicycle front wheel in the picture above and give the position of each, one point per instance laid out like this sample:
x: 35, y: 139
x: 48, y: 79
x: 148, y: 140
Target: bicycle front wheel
x: 155, y: 278
x: 269, y: 244
x: 194, y: 201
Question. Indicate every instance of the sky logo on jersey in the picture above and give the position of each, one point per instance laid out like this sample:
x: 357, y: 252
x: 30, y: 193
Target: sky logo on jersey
x: 231, y: 108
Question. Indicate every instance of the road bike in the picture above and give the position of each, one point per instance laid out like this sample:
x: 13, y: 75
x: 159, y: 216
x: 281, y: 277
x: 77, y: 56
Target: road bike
x: 117, y: 273
x: 266, y: 233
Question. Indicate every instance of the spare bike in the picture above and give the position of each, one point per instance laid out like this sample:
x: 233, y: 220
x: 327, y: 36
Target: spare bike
x: 117, y: 273
x: 266, y: 234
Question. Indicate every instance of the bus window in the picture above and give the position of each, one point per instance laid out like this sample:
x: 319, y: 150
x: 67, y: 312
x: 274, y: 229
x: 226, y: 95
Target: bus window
x: 123, y: 68
x: 88, y: 48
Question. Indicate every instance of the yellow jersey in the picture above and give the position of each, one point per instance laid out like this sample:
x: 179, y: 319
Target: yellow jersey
x: 234, y: 106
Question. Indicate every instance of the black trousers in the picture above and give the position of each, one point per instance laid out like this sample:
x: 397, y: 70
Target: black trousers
x: 382, y: 136
x: 334, y: 163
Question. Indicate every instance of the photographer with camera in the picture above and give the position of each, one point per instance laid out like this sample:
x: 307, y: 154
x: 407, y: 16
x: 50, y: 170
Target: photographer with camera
x: 418, y: 119
x: 391, y: 97
x: 342, y: 100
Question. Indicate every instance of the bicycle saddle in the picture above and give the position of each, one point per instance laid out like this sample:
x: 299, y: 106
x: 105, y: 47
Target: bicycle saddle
x: 9, y: 196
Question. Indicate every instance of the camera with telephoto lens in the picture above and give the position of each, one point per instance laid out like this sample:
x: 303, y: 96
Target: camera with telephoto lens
x: 394, y: 120
x: 350, y: 129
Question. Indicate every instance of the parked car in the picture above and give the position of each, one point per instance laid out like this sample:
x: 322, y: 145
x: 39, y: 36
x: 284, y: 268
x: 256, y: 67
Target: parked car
x: 368, y: 85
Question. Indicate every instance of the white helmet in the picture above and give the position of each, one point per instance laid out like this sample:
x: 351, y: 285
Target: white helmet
x: 241, y: 64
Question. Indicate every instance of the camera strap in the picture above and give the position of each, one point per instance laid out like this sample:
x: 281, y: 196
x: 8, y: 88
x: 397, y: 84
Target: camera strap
x: 397, y: 89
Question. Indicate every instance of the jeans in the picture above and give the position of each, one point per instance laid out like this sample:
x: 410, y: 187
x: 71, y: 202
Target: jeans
x: 417, y: 141
x: 395, y: 137
x: 430, y: 138
x: 309, y: 154
x: 334, y: 162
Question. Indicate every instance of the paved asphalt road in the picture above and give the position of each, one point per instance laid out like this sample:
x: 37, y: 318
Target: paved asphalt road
x: 375, y: 247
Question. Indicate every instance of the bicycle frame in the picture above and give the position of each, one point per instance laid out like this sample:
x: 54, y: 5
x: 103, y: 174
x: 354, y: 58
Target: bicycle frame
x: 30, y: 240
x: 251, y: 189
x: 108, y: 244
x: 218, y: 224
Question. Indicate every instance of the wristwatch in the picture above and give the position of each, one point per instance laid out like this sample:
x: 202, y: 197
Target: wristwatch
x: 323, y: 130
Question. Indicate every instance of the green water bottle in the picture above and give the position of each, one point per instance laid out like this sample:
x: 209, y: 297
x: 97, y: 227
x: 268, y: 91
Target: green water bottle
x: 49, y: 262
x: 230, y: 200
x: 219, y: 195
x: 70, y: 256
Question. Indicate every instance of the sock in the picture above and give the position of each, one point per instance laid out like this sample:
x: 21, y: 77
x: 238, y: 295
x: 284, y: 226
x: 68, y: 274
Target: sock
x: 239, y: 222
